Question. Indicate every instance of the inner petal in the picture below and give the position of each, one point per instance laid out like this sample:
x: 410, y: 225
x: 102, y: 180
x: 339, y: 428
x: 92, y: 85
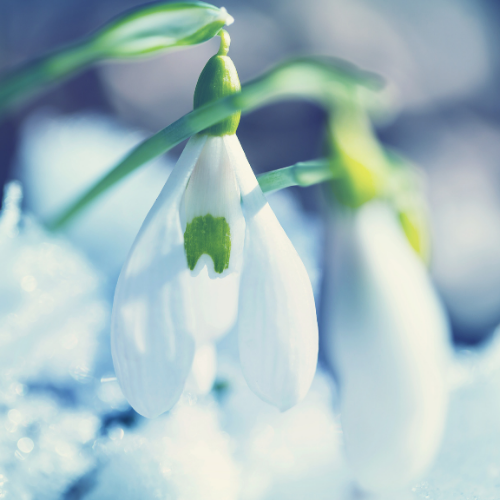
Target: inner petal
x: 210, y: 235
x: 214, y: 220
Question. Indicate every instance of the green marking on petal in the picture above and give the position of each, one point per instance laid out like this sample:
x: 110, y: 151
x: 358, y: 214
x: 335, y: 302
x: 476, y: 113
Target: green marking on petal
x: 210, y: 235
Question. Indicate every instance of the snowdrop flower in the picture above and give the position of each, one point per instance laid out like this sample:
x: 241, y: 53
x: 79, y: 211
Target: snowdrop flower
x: 211, y: 220
x: 388, y: 343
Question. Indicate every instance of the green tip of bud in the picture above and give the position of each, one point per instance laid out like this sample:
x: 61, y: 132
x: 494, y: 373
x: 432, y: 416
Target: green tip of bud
x: 219, y: 79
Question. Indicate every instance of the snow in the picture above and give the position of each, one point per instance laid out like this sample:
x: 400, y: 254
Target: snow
x: 66, y: 430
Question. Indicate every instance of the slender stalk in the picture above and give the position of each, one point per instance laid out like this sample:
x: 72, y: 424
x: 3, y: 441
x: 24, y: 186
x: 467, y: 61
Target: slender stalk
x: 225, y: 42
x: 319, y: 80
x: 301, y: 174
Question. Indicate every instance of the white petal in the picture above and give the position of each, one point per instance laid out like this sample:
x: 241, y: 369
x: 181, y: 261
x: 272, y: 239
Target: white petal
x: 213, y: 190
x: 389, y: 347
x: 202, y: 376
x: 216, y: 305
x: 277, y: 326
x: 152, y: 322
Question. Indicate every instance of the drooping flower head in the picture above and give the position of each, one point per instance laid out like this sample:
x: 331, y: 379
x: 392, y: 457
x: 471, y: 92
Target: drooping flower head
x: 388, y: 345
x: 212, y: 239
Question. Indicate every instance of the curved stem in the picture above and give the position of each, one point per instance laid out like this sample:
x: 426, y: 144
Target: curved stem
x: 302, y: 174
x: 322, y: 81
x: 225, y: 41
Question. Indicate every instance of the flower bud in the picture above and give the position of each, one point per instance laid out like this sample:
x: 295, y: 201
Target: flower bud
x: 159, y: 27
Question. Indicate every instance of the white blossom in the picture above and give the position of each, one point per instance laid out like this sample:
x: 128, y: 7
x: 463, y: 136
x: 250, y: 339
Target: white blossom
x: 388, y: 344
x: 210, y: 230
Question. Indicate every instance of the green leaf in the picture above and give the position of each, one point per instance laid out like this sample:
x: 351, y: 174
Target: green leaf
x: 321, y: 80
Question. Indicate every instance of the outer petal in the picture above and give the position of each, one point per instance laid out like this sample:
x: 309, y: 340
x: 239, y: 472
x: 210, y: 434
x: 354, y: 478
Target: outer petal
x: 389, y: 348
x: 152, y: 321
x: 277, y: 326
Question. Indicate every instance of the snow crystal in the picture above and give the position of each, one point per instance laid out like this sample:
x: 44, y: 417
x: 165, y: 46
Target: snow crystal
x: 291, y: 455
x: 44, y: 448
x: 180, y: 455
x: 51, y: 321
x: 51, y: 311
x: 468, y: 466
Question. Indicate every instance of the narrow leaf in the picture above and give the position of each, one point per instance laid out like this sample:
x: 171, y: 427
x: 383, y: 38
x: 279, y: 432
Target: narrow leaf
x: 146, y: 31
x: 324, y: 81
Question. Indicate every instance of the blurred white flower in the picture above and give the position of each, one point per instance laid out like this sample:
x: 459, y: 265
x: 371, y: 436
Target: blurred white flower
x: 211, y: 224
x: 388, y: 344
x: 60, y: 157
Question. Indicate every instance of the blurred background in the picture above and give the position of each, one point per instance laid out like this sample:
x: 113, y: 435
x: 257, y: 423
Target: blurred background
x: 62, y: 415
x: 439, y: 58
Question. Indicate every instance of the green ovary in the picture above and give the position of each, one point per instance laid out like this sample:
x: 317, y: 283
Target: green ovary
x: 210, y: 235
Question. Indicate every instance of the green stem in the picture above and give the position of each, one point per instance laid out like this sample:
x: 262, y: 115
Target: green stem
x: 301, y: 174
x: 225, y: 42
x: 31, y: 79
x: 321, y: 81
